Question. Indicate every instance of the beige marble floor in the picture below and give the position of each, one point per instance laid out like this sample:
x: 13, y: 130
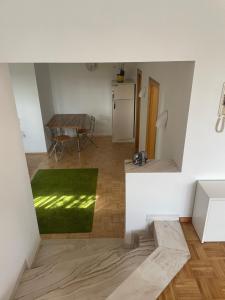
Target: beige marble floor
x: 109, y: 159
x: 100, y: 269
x: 81, y: 269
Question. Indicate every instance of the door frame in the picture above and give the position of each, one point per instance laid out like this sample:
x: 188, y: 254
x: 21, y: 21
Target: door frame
x: 138, y: 109
x: 152, y: 114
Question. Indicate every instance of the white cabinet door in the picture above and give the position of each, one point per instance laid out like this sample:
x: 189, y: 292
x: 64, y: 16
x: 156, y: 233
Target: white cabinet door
x: 123, y: 120
x: 209, y: 210
x: 215, y: 224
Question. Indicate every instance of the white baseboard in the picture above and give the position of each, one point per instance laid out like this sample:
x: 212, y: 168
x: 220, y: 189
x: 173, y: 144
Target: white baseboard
x: 23, y: 268
x: 36, y: 153
x: 151, y: 218
x: 26, y: 265
x: 33, y: 254
x: 123, y: 141
x: 97, y: 134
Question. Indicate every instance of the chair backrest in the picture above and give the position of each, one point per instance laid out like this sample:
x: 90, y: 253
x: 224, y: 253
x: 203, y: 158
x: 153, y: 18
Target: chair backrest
x: 92, y: 125
x: 52, y: 132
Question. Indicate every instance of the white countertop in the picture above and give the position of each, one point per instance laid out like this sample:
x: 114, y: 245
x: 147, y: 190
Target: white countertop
x: 152, y: 166
x: 215, y: 189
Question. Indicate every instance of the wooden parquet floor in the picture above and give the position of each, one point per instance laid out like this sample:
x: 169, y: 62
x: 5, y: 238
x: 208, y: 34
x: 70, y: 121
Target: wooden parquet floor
x: 203, y: 277
x: 110, y: 197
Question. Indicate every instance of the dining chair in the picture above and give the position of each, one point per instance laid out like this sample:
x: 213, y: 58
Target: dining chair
x: 87, y: 134
x: 59, y: 137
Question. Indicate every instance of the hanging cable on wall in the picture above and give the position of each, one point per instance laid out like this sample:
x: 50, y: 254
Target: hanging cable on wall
x: 220, y: 123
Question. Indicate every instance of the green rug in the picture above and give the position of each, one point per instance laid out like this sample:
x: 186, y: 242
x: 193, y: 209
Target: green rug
x: 64, y: 199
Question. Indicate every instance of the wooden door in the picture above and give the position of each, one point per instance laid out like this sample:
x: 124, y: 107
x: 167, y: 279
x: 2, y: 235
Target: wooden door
x: 138, y: 110
x: 153, y: 101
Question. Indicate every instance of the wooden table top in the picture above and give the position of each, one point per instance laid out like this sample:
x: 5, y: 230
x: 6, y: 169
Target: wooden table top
x: 74, y: 121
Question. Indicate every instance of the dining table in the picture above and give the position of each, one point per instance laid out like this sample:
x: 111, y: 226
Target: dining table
x: 77, y: 122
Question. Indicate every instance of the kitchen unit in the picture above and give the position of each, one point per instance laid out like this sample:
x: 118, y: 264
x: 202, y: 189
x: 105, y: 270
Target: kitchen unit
x: 123, y: 111
x: 209, y: 210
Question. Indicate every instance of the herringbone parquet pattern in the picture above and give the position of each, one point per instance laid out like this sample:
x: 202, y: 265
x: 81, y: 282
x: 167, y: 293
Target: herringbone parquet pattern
x: 203, y: 277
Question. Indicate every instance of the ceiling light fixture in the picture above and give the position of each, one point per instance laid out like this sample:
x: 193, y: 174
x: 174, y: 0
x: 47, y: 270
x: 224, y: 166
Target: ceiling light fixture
x: 91, y: 66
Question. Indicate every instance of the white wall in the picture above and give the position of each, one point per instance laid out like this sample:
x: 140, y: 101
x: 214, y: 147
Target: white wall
x: 153, y: 31
x: 175, y: 79
x: 76, y: 90
x: 28, y: 107
x: 156, y: 194
x: 45, y: 96
x: 18, y: 225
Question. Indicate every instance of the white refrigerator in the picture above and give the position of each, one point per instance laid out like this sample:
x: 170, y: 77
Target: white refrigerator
x: 123, y: 110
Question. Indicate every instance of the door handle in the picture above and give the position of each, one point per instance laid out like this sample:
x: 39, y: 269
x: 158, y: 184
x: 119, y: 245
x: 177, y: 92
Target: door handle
x: 114, y: 106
